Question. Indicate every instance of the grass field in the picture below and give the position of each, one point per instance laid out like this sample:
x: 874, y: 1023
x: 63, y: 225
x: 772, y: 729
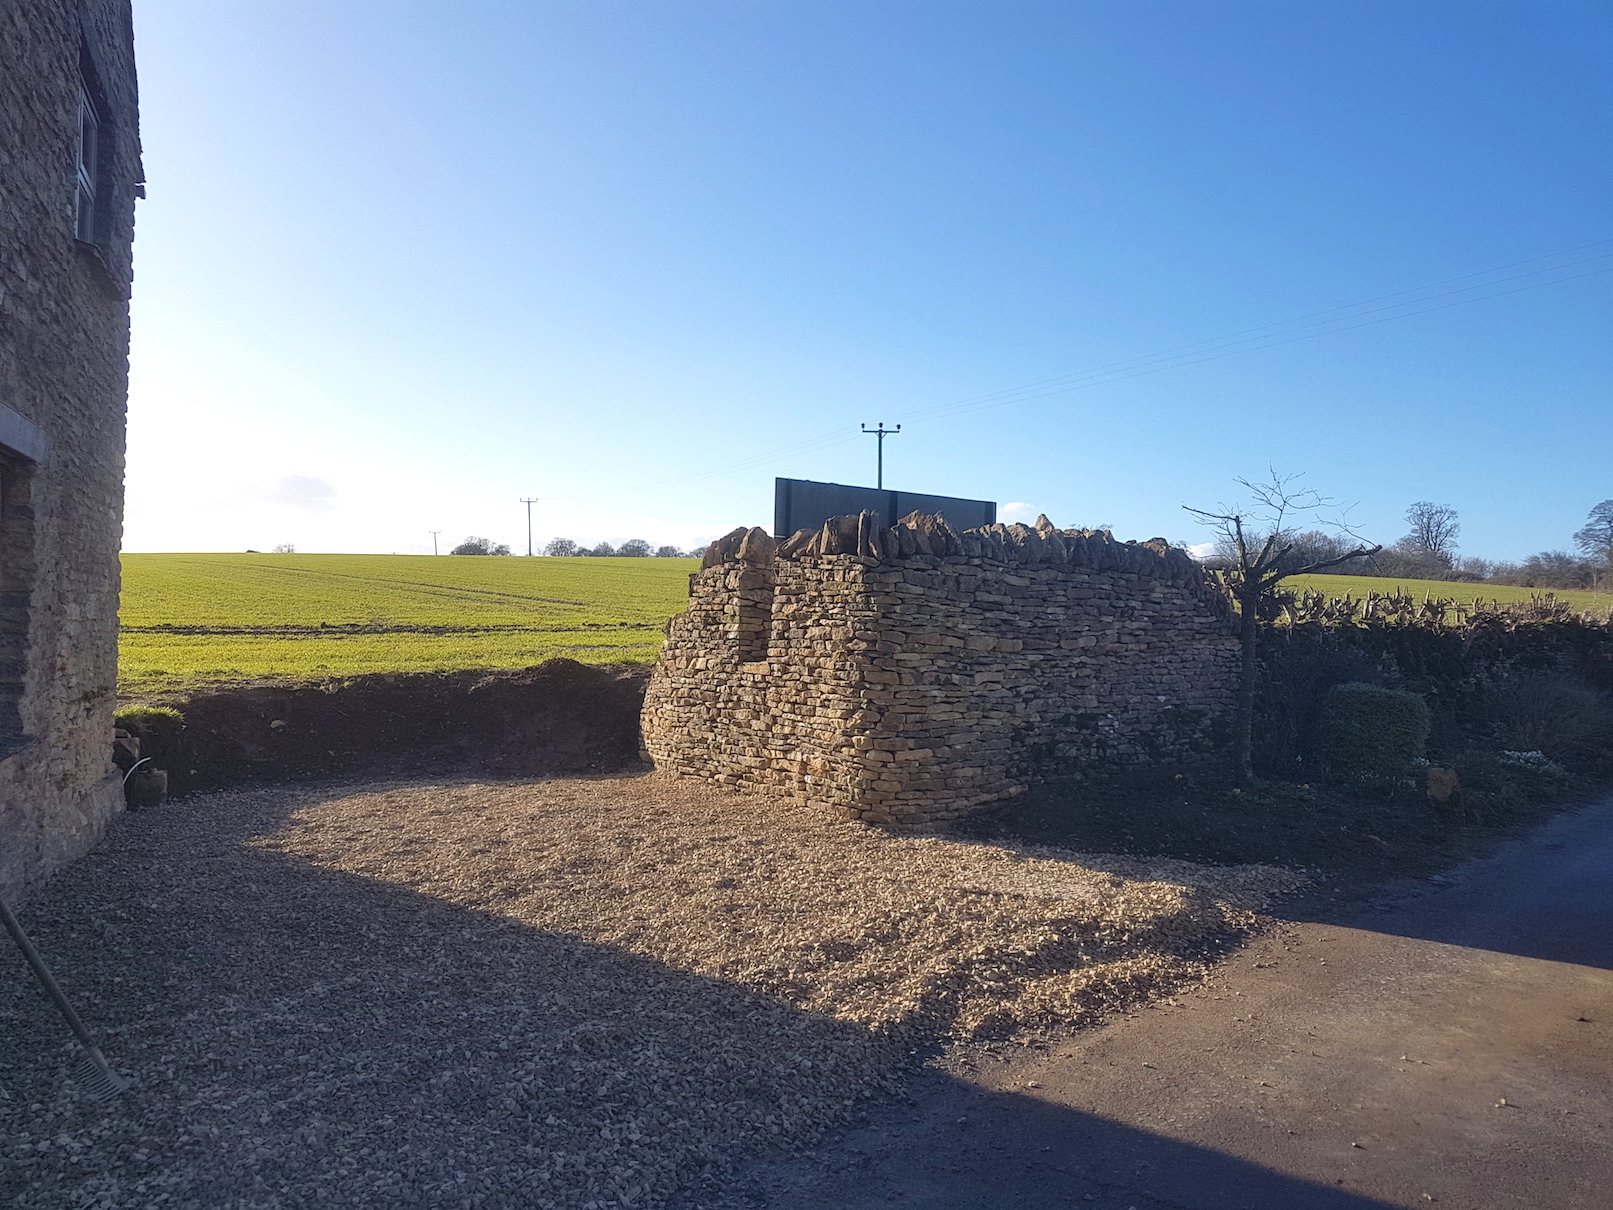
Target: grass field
x: 191, y: 620
x: 1359, y: 586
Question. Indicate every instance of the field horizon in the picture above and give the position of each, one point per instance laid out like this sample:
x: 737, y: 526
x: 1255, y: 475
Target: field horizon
x: 190, y: 621
x: 1464, y: 591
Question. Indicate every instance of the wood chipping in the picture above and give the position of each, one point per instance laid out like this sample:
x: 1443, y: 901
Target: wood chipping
x: 564, y: 993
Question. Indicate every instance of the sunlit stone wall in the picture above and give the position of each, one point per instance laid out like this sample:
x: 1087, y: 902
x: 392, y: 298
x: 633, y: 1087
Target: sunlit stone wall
x: 913, y: 673
x: 64, y: 333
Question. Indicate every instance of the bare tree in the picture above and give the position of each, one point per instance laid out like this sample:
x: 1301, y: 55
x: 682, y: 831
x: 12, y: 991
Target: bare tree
x: 1305, y: 547
x: 1433, y: 531
x: 560, y: 548
x: 1260, y: 544
x: 1595, y: 541
x: 1555, y: 569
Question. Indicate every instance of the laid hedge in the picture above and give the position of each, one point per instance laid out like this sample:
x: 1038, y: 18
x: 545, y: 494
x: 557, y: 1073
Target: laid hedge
x: 1494, y: 682
x: 1367, y: 731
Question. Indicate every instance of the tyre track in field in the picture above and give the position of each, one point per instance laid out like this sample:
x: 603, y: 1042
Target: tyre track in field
x: 430, y: 588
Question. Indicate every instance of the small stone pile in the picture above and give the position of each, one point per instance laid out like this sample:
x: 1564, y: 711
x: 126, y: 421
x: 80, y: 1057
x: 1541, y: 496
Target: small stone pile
x: 907, y: 674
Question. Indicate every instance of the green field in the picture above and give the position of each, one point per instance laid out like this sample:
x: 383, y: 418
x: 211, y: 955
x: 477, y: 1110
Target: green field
x: 1359, y: 586
x: 191, y: 620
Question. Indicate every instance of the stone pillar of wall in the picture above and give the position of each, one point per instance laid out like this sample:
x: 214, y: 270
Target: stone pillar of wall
x: 785, y: 720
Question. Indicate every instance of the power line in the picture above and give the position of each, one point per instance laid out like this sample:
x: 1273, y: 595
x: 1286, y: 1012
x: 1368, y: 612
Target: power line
x: 1214, y: 355
x: 1245, y: 340
x: 1285, y: 332
x: 1200, y: 345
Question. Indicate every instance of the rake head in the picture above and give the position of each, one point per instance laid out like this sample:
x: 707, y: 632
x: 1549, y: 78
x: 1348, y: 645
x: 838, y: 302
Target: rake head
x: 95, y: 1077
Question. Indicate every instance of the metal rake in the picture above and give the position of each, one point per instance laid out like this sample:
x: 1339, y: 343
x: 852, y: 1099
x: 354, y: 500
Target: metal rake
x: 93, y: 1074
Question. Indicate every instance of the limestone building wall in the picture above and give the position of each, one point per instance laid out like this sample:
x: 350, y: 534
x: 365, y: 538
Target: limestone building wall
x: 66, y: 229
x: 913, y: 673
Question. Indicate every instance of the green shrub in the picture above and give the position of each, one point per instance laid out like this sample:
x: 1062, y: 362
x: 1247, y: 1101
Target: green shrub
x: 1368, y: 732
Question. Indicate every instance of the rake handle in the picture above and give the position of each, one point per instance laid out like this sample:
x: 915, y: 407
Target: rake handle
x: 45, y: 977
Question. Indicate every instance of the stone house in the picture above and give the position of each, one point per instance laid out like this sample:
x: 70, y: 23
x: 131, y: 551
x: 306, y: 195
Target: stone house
x: 69, y: 175
x: 909, y: 674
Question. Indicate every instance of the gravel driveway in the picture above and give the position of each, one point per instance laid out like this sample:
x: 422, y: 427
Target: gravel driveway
x: 560, y: 993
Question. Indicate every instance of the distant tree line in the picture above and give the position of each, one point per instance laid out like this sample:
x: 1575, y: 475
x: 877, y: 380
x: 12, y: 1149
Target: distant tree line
x: 480, y: 546
x: 1428, y: 551
x: 633, y: 548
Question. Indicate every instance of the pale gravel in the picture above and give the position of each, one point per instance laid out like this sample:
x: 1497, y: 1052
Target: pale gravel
x: 561, y: 993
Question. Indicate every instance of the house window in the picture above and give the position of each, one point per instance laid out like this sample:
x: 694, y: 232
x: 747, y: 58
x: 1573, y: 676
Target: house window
x: 89, y: 162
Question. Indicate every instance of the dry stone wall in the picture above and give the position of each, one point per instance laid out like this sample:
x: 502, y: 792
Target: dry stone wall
x: 912, y: 673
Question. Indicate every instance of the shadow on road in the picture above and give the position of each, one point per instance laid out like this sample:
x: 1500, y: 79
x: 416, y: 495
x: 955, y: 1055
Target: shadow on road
x: 1546, y: 895
x: 958, y: 1146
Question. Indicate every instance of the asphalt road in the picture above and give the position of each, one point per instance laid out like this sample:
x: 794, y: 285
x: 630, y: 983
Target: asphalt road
x: 1449, y: 1044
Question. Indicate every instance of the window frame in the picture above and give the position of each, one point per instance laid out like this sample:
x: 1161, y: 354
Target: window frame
x: 87, y: 167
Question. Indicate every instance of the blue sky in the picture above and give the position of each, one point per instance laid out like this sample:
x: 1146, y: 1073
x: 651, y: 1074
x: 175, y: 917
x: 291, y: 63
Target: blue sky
x: 404, y: 263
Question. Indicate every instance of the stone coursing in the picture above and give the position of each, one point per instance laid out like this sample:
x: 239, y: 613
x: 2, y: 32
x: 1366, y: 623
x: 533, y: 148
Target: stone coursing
x: 63, y: 380
x: 911, y: 673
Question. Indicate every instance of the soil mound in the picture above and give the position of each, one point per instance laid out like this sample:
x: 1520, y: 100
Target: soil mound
x: 557, y: 717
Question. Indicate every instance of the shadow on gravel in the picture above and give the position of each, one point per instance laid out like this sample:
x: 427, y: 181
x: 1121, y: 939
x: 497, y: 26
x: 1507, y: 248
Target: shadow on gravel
x: 299, y: 1036
x: 302, y: 1037
x: 968, y: 1148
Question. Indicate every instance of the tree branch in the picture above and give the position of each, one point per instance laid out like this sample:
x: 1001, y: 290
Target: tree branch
x: 1360, y: 552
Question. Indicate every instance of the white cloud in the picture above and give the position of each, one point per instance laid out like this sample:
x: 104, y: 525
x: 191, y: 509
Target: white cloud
x: 307, y: 492
x: 1201, y: 550
x: 1018, y: 510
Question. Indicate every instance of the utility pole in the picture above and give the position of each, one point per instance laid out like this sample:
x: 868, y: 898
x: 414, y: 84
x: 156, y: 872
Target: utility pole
x: 434, y: 534
x: 529, y: 502
x: 882, y: 432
